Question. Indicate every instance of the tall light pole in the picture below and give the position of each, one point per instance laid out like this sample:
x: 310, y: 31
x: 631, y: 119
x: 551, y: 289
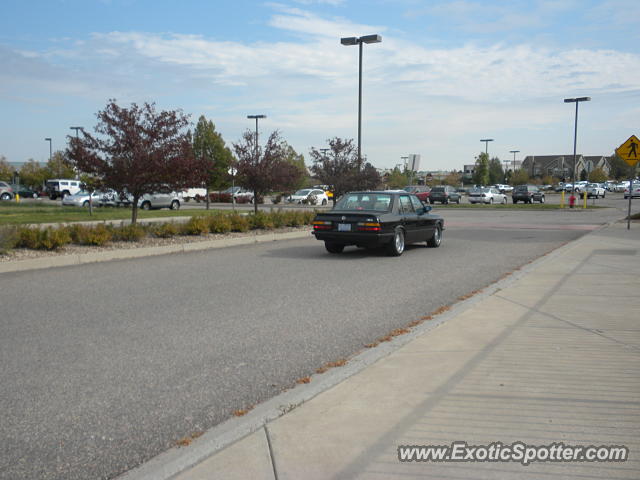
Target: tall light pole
x: 486, y: 145
x: 360, y: 41
x: 575, y: 136
x: 77, y: 129
x: 256, y: 117
x: 51, y: 151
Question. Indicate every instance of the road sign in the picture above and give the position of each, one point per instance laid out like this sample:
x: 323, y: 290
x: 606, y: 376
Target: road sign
x: 629, y: 151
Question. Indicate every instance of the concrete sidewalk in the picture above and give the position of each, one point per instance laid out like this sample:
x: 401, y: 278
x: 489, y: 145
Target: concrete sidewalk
x: 553, y: 355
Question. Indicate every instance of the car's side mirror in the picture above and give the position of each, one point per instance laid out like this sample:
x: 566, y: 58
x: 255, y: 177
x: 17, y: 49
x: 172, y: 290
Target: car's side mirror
x: 425, y: 209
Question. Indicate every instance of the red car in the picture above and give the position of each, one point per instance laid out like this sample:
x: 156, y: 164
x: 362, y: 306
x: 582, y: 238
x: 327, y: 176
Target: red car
x: 420, y: 191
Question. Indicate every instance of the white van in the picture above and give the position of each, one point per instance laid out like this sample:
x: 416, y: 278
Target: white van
x: 61, y: 187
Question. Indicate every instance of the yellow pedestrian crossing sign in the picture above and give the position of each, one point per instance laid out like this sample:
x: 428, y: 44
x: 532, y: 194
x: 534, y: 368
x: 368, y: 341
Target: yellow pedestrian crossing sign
x: 629, y: 151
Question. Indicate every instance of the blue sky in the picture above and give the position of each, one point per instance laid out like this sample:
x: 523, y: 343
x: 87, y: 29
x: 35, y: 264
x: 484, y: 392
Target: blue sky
x: 447, y: 73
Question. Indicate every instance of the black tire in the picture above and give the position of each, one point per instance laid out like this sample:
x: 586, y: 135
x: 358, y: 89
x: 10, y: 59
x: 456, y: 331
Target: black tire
x: 604, y: 194
x: 146, y: 205
x: 85, y: 204
x: 6, y: 196
x: 436, y: 239
x: 324, y: 202
x: 333, y: 247
x: 445, y: 202
x: 491, y: 201
x: 515, y: 201
x: 64, y: 194
x: 504, y: 201
x: 432, y: 202
x: 175, y: 205
x: 396, y: 246
x: 542, y: 199
x: 458, y: 202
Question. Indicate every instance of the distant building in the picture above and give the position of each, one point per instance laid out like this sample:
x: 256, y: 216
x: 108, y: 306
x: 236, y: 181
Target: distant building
x: 562, y: 167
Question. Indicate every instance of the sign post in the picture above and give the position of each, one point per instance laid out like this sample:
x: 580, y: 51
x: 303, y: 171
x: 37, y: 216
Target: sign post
x: 629, y: 152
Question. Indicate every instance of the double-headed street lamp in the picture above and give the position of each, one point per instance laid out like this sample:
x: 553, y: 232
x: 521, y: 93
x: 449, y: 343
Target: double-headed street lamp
x: 77, y: 129
x: 486, y: 145
x: 575, y: 136
x: 360, y: 41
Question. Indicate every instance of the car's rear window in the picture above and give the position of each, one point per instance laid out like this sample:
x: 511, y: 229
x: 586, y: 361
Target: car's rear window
x: 437, y: 189
x: 364, y: 201
x: 521, y: 188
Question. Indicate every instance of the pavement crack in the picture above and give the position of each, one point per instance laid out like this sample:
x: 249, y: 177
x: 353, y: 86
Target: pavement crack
x: 271, y: 454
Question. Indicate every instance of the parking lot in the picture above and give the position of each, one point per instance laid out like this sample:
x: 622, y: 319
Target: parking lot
x: 164, y: 349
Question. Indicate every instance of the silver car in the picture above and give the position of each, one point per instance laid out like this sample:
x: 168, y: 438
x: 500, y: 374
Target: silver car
x: 81, y: 199
x: 6, y: 192
x: 162, y: 199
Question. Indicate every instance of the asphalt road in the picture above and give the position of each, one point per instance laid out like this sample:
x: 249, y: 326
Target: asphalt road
x: 103, y: 366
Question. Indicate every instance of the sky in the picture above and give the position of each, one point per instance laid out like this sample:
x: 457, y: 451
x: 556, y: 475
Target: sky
x: 446, y: 74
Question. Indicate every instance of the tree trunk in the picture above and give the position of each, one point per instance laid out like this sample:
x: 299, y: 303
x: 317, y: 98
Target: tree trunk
x: 208, y: 199
x: 255, y: 202
x: 134, y: 210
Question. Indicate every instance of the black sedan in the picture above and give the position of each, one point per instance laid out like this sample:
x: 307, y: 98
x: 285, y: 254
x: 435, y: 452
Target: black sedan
x: 24, y: 191
x: 389, y: 219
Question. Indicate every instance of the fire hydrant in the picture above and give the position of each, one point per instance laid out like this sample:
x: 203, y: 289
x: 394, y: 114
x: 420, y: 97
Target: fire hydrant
x: 572, y: 200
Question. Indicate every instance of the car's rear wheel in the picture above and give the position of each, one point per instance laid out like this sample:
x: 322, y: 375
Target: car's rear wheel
x: 146, y: 205
x: 542, y: 199
x: 436, y: 240
x: 491, y: 201
x: 504, y: 201
x: 515, y: 201
x: 175, y: 205
x: 396, y: 247
x: 333, y: 247
x: 6, y: 196
x: 458, y: 202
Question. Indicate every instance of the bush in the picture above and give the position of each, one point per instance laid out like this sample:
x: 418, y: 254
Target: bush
x: 28, y: 237
x: 90, y: 235
x: 220, y: 197
x: 239, y: 223
x: 276, y: 199
x: 53, y: 238
x: 196, y: 226
x: 219, y: 224
x: 8, y: 239
x: 164, y: 230
x: 129, y: 233
x: 262, y: 220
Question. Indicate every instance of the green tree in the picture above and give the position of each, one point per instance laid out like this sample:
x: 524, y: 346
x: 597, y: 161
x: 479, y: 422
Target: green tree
x: 620, y: 170
x: 397, y: 179
x: 60, y: 166
x: 6, y: 170
x: 597, y: 175
x: 209, y: 147
x: 297, y: 160
x: 33, y: 174
x: 496, y: 173
x: 520, y: 177
x: 481, y: 173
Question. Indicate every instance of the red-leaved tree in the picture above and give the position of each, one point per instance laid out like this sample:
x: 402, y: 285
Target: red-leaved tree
x: 138, y: 150
x: 263, y: 169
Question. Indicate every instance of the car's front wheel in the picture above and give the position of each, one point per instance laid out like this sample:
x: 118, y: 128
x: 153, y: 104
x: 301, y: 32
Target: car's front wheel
x: 85, y: 204
x: 396, y: 247
x: 504, y: 201
x: 436, y: 239
x: 324, y: 202
x: 146, y: 206
x: 6, y: 196
x: 175, y: 205
x: 542, y: 199
x: 458, y: 202
x: 333, y: 247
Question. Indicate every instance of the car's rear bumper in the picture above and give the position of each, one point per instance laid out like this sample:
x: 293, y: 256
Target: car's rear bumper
x: 354, y: 238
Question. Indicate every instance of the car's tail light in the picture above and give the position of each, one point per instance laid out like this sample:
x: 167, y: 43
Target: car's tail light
x: 321, y: 225
x: 369, y: 226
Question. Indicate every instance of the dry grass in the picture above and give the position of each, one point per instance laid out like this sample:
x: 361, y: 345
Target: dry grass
x: 241, y: 412
x: 184, y: 442
x: 303, y: 380
x: 327, y: 366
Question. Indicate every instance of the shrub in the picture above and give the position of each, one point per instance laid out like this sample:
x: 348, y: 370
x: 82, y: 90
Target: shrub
x: 165, y: 230
x: 220, y: 197
x: 129, y: 233
x: 219, y: 224
x: 262, y: 221
x: 278, y: 218
x: 53, y: 238
x: 90, y: 235
x: 8, y: 239
x: 276, y: 199
x: 196, y: 226
x: 28, y: 237
x: 239, y: 223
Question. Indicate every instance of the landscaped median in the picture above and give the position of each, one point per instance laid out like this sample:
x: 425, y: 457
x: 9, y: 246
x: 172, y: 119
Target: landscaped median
x: 16, y: 241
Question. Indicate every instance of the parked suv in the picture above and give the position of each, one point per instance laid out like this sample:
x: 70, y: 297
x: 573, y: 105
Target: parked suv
x: 6, y: 192
x: 61, y: 187
x: 444, y: 194
x: 161, y: 199
x: 527, y: 194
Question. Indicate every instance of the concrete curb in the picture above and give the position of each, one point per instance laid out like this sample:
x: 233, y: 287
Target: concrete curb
x: 94, y: 257
x: 179, y: 459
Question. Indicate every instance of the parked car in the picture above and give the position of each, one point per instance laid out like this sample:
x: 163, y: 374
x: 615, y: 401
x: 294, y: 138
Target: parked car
x: 309, y: 196
x: 444, y: 194
x: 161, y: 199
x: 196, y: 194
x: 389, y: 219
x: 81, y: 199
x: 326, y: 189
x: 527, y: 194
x: 635, y: 190
x: 595, y: 190
x: 579, y: 186
x: 23, y: 191
x: 420, y: 191
x: 6, y: 192
x: 559, y: 187
x: 620, y: 187
x: 239, y: 192
x: 487, y: 195
x: 503, y: 188
x: 61, y: 187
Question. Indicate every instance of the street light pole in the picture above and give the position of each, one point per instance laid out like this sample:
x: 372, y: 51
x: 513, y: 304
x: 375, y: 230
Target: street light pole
x: 575, y: 136
x: 360, y: 41
x: 51, y: 152
x: 77, y: 129
x: 486, y: 145
x: 255, y: 198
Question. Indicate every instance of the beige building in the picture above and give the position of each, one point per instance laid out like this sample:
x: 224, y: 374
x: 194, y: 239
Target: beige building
x: 561, y: 166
